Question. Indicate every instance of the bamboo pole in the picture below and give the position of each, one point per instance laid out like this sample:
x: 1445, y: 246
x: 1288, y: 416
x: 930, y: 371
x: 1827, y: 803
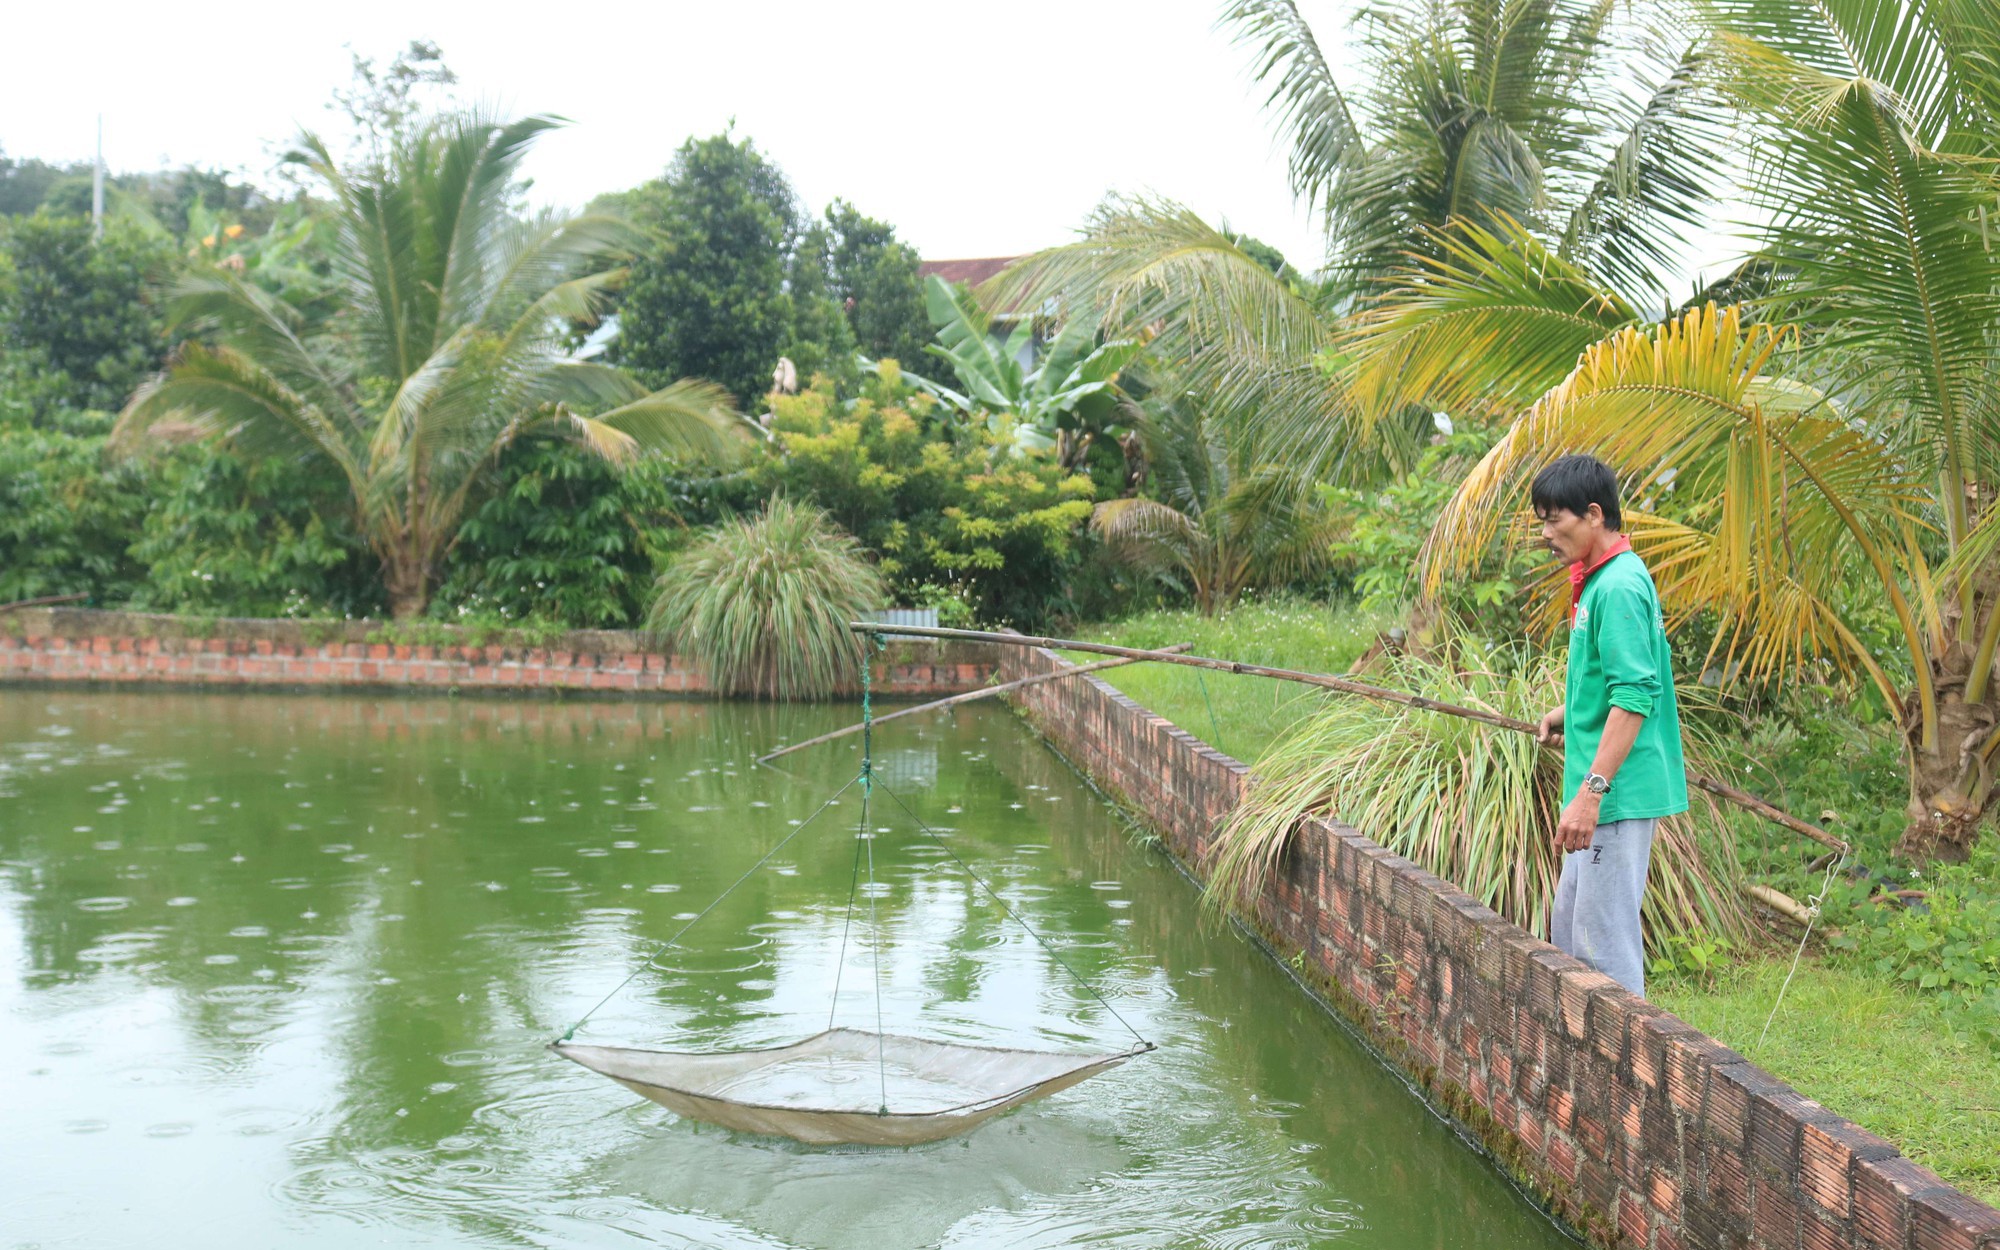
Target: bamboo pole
x: 1721, y: 789
x: 45, y: 601
x: 967, y: 697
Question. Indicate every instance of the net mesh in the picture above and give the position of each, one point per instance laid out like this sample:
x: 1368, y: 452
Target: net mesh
x: 845, y: 1086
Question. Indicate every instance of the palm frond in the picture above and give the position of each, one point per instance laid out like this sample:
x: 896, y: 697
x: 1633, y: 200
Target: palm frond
x: 475, y: 167
x: 1312, y: 111
x: 1491, y: 324
x: 1779, y: 489
x: 688, y: 418
x: 1876, y: 206
x: 217, y: 304
x: 1248, y: 341
x: 1661, y: 178
x: 1148, y: 535
x: 223, y: 393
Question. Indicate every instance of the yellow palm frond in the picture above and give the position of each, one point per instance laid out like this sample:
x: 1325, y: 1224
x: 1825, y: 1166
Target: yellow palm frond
x: 1768, y: 493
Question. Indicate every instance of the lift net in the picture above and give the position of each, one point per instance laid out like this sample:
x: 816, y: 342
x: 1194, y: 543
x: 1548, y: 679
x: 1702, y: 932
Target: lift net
x: 831, y: 1087
x: 848, y: 1085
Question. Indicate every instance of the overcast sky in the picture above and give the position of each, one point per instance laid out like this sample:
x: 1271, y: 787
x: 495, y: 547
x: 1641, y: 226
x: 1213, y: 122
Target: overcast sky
x: 976, y: 130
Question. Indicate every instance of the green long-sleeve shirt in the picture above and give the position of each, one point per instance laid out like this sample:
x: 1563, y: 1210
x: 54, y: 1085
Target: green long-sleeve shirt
x: 1618, y: 657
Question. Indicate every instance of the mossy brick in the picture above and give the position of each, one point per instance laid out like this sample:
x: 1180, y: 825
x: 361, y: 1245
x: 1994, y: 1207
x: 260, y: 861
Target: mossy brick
x: 1774, y: 1216
x: 1610, y: 1014
x: 1881, y: 1193
x: 1710, y: 1227
x: 1660, y: 1132
x: 1724, y: 1180
x: 1663, y: 1192
x: 1778, y: 1117
x: 1944, y: 1219
x: 1827, y: 1153
x: 1648, y: 1048
x: 1593, y: 1137
x: 1596, y: 1183
x: 1515, y: 951
x: 1816, y: 1232
x: 1725, y: 1117
x: 1575, y: 987
x: 1630, y: 1164
x: 1635, y: 1221
x: 1542, y: 995
x: 1562, y: 1158
x: 1629, y: 1104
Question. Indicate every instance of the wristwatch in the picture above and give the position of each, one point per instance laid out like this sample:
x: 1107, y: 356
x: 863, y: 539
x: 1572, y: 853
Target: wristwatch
x: 1596, y: 784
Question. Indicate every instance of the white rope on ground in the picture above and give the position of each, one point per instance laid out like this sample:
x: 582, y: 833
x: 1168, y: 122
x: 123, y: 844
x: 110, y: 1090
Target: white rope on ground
x: 1816, y: 901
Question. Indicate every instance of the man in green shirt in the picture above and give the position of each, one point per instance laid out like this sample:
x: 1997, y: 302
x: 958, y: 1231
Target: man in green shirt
x: 1619, y: 726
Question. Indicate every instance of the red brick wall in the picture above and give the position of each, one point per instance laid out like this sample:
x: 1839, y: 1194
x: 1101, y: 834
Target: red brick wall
x: 117, y: 647
x: 1634, y: 1126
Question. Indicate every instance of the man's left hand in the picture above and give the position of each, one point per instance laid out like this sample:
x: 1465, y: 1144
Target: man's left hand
x: 1578, y: 823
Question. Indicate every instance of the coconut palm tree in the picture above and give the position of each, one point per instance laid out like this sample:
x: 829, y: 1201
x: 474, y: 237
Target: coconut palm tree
x: 1832, y: 453
x: 1593, y: 133
x: 1224, y: 521
x: 446, y: 347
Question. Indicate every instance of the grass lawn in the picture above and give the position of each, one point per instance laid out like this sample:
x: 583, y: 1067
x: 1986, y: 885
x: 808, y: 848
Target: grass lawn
x: 1237, y: 714
x: 1868, y: 1051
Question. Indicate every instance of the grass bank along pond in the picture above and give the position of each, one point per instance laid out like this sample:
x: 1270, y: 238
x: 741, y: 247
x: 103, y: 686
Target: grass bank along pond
x: 278, y: 970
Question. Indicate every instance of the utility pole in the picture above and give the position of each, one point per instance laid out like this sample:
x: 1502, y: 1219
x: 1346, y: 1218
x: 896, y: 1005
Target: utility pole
x: 97, y: 185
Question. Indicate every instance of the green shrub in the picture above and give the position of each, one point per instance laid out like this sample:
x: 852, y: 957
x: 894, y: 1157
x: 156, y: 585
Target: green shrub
x: 564, y: 538
x: 231, y: 535
x: 1935, y: 931
x: 945, y: 506
x: 67, y: 517
x: 1382, y: 554
x: 762, y: 603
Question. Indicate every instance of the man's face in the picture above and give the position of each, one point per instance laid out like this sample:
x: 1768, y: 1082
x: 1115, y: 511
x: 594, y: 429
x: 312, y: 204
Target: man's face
x: 1569, y: 535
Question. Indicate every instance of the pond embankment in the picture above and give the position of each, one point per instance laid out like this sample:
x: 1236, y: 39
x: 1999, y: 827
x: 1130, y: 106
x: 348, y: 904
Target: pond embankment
x: 1636, y: 1127
x: 126, y: 648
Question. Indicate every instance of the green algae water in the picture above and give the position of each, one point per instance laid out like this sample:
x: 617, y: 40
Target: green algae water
x: 279, y: 971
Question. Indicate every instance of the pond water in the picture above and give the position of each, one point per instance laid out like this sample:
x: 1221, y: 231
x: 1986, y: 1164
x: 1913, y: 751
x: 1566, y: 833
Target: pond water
x: 278, y: 971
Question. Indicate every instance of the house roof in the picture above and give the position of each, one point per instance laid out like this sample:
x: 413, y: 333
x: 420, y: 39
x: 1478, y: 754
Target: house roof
x: 972, y: 271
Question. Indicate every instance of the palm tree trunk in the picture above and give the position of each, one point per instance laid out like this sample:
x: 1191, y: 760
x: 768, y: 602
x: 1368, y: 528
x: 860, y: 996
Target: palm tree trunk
x: 1951, y: 781
x: 406, y: 575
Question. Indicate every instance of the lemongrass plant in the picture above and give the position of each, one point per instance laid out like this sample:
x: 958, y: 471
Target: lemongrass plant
x: 762, y: 603
x: 1473, y: 803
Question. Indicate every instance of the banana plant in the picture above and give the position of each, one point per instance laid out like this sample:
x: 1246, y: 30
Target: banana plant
x: 1066, y: 401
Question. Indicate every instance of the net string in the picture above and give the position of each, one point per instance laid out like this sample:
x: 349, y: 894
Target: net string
x: 652, y: 960
x: 1015, y: 916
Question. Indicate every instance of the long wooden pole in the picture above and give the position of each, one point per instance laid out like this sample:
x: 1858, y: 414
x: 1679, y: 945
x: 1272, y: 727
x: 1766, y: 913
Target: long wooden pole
x: 43, y: 602
x: 1721, y: 789
x: 985, y: 692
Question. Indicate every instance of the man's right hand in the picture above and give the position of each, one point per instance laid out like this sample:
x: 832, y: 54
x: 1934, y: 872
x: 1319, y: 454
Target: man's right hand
x: 1549, y: 730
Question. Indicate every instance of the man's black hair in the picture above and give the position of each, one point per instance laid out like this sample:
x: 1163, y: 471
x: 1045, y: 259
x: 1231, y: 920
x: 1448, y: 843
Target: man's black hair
x: 1572, y: 484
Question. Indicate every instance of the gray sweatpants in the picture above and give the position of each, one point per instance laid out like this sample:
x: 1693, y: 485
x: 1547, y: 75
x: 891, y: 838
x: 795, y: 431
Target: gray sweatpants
x: 1596, y: 914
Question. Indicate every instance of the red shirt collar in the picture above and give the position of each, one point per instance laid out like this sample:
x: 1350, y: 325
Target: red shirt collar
x: 1579, y: 573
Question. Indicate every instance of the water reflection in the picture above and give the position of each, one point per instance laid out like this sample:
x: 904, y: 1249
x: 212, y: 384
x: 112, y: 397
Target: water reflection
x: 287, y: 965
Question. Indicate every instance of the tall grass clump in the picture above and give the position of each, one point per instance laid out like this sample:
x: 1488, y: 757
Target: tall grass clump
x: 762, y: 603
x: 1473, y: 803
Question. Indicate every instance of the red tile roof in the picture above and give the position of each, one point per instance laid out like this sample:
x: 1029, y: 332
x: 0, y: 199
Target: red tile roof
x: 972, y: 272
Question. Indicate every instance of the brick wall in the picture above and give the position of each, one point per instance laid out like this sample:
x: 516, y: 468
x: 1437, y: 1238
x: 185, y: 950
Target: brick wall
x: 72, y: 645
x: 1637, y: 1128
